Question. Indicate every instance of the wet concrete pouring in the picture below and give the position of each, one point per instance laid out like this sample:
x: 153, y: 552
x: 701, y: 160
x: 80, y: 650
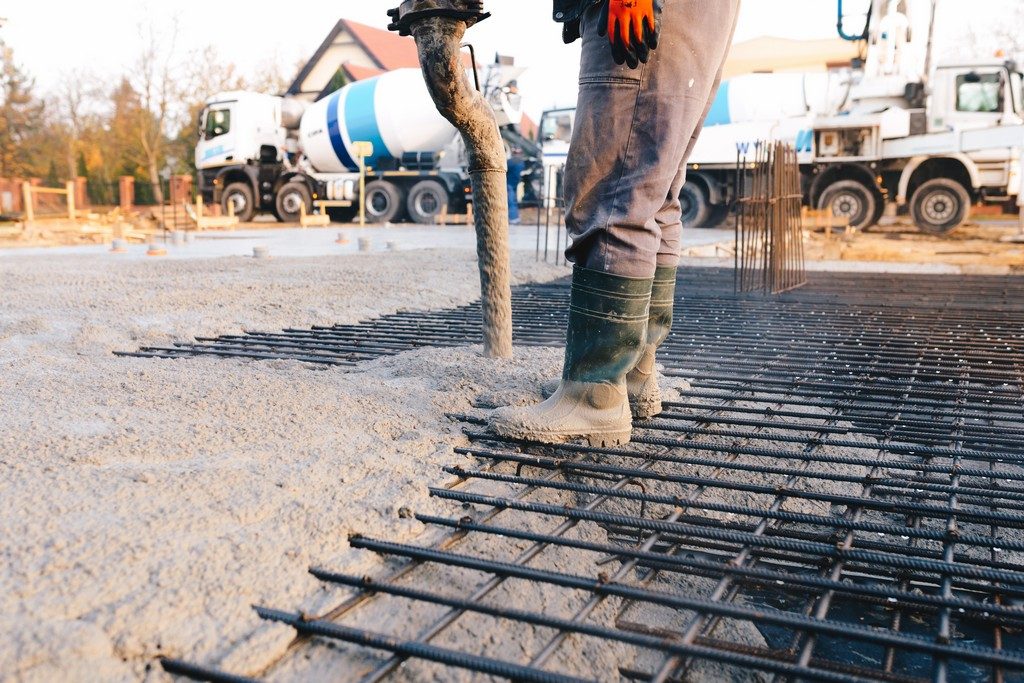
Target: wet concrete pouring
x: 836, y: 493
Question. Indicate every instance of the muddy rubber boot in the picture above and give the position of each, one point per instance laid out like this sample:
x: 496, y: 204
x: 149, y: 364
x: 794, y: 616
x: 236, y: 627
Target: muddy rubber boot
x: 607, y: 331
x: 642, y: 380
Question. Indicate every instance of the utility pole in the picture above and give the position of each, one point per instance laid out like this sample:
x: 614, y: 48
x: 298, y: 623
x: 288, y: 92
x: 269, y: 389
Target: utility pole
x: 438, y: 27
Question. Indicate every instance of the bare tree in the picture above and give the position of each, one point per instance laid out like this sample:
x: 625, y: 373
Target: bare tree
x: 981, y: 34
x: 158, y: 81
x: 76, y: 92
x: 270, y: 75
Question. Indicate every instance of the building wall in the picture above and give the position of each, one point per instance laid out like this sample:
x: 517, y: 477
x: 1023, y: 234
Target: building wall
x: 343, y: 49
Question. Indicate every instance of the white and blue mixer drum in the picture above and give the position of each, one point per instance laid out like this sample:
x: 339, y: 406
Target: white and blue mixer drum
x: 393, y: 111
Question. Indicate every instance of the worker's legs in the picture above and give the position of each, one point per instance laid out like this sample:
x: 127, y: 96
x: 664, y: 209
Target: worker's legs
x: 633, y: 129
x: 513, y: 204
x: 642, y: 381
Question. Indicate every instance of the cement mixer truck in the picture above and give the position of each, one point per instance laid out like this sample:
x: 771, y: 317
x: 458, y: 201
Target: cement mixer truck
x: 264, y: 154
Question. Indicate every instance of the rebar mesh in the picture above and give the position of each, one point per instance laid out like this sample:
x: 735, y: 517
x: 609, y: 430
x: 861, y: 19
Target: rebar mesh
x: 837, y: 493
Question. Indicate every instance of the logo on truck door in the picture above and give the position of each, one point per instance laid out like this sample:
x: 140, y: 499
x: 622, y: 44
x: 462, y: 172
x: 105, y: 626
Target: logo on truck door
x: 217, y: 151
x: 805, y: 141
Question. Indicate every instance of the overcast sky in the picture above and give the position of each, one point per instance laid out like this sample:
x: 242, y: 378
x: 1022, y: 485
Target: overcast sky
x: 53, y: 36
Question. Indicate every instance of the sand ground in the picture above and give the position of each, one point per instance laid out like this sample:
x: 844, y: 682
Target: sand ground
x: 976, y: 245
x: 145, y: 504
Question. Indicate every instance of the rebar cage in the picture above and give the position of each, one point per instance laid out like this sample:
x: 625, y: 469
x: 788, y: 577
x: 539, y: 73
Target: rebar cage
x: 835, y: 492
x: 769, y: 228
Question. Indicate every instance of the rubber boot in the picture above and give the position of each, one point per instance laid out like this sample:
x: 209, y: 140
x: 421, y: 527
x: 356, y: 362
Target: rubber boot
x: 607, y: 331
x: 642, y: 381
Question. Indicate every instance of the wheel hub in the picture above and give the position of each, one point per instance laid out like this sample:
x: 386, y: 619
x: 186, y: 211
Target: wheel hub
x: 292, y: 202
x: 939, y: 207
x: 378, y: 202
x: 427, y: 204
x: 846, y: 206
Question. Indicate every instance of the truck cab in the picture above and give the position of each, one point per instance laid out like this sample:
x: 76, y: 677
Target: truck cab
x: 556, y: 126
x: 240, y: 133
x: 975, y: 95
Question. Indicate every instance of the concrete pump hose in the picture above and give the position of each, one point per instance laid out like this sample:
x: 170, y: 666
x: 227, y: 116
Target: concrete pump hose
x: 439, y: 40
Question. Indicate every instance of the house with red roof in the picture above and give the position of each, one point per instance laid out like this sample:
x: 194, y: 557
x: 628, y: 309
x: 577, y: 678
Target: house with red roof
x: 352, y: 52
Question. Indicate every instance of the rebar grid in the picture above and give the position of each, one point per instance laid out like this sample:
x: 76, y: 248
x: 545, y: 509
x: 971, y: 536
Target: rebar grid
x: 837, y: 495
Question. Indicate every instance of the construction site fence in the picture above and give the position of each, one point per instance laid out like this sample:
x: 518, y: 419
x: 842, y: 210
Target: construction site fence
x: 125, y: 191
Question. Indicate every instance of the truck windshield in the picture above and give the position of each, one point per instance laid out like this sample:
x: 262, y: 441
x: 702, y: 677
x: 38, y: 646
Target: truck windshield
x: 979, y: 93
x: 558, y: 125
x: 218, y: 122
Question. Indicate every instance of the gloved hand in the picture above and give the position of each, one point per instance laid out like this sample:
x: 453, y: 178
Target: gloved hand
x: 633, y: 27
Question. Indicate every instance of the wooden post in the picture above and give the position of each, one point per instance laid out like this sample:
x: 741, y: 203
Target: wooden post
x: 362, y: 192
x: 81, y: 192
x: 180, y: 189
x: 126, y: 183
x: 362, y: 150
x: 70, y: 189
x: 26, y: 202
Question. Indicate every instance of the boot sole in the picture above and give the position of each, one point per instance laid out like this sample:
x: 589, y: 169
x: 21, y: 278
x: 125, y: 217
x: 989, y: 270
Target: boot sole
x: 641, y: 410
x: 606, y: 439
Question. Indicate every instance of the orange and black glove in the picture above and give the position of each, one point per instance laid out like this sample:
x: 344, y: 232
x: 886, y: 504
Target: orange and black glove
x: 633, y: 27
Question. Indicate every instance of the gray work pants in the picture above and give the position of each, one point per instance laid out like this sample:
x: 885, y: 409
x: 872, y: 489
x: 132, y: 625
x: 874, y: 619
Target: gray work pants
x: 635, y: 129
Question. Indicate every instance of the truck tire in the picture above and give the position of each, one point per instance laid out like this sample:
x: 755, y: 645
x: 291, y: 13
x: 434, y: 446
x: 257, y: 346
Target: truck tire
x: 383, y: 202
x: 427, y: 200
x: 695, y: 204
x: 853, y: 200
x: 240, y: 195
x: 939, y: 206
x: 289, y: 202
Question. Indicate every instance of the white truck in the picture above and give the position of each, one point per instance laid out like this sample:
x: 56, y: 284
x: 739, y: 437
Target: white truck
x: 889, y: 129
x: 261, y: 153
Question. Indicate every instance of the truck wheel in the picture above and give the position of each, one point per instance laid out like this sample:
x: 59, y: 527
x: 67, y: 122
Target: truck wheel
x: 240, y: 197
x: 696, y: 207
x: 383, y: 202
x: 427, y: 200
x: 290, y: 200
x: 850, y: 199
x: 939, y: 206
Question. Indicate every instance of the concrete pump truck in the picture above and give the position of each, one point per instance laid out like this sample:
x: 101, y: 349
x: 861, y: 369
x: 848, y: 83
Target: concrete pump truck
x: 892, y: 128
